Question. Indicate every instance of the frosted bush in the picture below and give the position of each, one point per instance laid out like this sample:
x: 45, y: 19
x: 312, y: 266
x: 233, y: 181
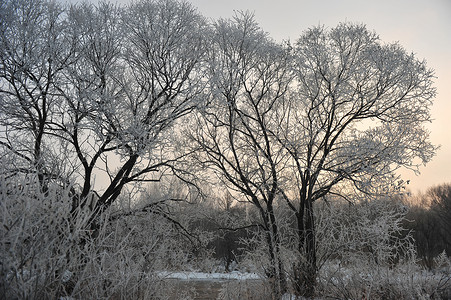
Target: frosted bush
x: 35, y: 238
x: 368, y: 255
x: 47, y: 252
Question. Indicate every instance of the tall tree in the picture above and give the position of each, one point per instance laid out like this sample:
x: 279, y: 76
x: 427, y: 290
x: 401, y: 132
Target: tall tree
x: 356, y: 115
x: 103, y: 83
x: 248, y: 75
x: 137, y: 74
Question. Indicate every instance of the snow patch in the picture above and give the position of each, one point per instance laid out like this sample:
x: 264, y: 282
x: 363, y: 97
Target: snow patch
x: 208, y: 276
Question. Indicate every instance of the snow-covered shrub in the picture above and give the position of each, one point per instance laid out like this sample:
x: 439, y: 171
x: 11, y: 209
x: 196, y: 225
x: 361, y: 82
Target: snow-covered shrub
x: 367, y: 254
x: 48, y: 250
x: 369, y: 231
x: 36, y: 238
x: 405, y: 281
x: 443, y: 263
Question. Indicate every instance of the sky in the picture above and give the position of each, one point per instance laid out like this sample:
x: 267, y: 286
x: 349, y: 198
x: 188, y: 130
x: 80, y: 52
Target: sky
x: 420, y: 26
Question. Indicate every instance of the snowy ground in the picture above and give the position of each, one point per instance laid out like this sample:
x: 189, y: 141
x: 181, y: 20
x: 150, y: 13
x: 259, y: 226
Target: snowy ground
x: 235, y: 275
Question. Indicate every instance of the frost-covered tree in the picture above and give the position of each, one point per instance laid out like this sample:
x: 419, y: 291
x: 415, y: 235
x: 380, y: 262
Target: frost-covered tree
x: 248, y: 74
x: 95, y: 90
x: 138, y: 72
x: 34, y: 52
x: 87, y: 91
x: 356, y: 114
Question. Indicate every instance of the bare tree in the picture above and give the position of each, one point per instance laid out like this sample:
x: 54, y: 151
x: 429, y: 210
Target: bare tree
x: 440, y: 197
x: 34, y: 52
x: 356, y: 115
x: 137, y: 71
x: 429, y: 219
x: 248, y: 75
x: 88, y: 91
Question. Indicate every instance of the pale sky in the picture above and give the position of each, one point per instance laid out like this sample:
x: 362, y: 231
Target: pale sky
x: 421, y: 26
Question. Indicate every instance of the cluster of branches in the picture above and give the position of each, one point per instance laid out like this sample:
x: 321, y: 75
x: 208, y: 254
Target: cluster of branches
x: 94, y: 91
x: 88, y: 90
x: 336, y: 113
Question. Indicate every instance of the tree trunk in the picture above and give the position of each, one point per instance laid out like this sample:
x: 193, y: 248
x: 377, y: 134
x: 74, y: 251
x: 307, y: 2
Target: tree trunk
x: 275, y: 273
x: 310, y: 251
x: 304, y: 269
x: 281, y: 281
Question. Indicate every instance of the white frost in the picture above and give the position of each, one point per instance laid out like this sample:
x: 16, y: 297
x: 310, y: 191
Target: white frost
x: 207, y: 276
